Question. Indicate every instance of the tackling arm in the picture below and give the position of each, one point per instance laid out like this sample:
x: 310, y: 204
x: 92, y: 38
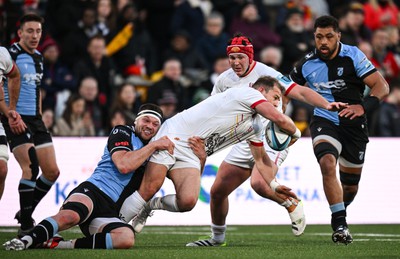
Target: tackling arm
x: 198, y: 147
x: 128, y: 161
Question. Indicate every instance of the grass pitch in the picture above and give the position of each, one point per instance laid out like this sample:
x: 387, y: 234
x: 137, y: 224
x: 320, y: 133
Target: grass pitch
x: 370, y: 241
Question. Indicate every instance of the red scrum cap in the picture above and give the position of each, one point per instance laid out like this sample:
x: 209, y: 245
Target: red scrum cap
x: 241, y: 44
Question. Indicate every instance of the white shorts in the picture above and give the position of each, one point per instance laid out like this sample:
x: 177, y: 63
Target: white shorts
x: 183, y: 156
x: 240, y: 155
x: 97, y: 224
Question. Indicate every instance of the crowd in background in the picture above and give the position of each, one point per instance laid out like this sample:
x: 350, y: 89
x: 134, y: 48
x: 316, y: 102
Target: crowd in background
x: 103, y: 58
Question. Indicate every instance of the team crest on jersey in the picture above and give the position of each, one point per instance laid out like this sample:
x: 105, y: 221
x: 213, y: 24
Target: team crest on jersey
x: 13, y: 50
x: 340, y: 71
x: 284, y: 79
x: 309, y: 55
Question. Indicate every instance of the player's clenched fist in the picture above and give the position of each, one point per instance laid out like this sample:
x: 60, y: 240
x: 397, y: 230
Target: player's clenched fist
x: 164, y: 143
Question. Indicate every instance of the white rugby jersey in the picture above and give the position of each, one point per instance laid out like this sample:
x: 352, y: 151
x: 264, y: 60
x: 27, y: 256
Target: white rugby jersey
x: 229, y: 79
x: 6, y: 64
x: 221, y: 120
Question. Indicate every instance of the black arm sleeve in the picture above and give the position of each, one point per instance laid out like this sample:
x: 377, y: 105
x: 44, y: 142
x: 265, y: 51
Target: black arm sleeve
x: 120, y: 139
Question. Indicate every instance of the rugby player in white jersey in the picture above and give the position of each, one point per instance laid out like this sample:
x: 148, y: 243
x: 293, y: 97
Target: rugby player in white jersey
x: 8, y: 72
x: 221, y: 120
x: 238, y: 165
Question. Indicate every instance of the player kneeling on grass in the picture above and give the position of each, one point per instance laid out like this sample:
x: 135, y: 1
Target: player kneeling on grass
x: 94, y: 204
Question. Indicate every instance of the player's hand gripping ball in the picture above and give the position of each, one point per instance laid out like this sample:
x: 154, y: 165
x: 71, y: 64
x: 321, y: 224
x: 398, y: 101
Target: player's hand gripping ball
x: 276, y: 138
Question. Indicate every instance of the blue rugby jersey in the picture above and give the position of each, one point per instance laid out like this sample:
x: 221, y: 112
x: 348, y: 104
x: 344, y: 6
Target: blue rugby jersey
x: 339, y: 79
x: 31, y: 69
x: 106, y: 175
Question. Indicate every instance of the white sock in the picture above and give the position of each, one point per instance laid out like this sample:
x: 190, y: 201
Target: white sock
x: 28, y: 239
x: 167, y: 202
x: 67, y: 244
x: 218, y: 232
x: 131, y: 206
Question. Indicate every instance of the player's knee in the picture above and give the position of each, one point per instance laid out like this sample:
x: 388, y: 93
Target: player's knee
x: 187, y: 204
x: 323, y: 149
x: 349, y: 179
x: 124, y: 239
x: 217, y: 193
x: 79, y: 215
x: 53, y: 175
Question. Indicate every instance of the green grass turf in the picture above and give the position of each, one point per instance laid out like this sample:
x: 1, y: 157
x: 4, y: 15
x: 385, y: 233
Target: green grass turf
x: 370, y: 241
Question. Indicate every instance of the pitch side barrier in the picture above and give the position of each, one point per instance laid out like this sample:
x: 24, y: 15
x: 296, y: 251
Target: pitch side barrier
x: 374, y: 204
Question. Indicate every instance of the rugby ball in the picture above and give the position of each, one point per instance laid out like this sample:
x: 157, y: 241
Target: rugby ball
x: 276, y: 138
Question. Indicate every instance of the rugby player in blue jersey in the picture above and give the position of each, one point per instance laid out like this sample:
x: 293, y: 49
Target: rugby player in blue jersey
x: 94, y: 205
x: 340, y: 73
x: 33, y: 149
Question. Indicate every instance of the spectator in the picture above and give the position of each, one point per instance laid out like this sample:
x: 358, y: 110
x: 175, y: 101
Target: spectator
x: 383, y: 59
x: 189, y: 17
x: 352, y: 25
x: 213, y: 43
x: 337, y: 7
x: 366, y: 48
x: 168, y: 104
x: 89, y: 90
x: 158, y: 12
x: 296, y: 40
x: 389, y: 112
x: 171, y: 81
x: 62, y: 16
x: 247, y: 22
x: 380, y: 13
x: 48, y: 119
x: 221, y: 64
x: 75, y: 121
x: 118, y: 117
x: 106, y: 16
x: 127, y: 101
x: 102, y: 68
x: 308, y: 16
x: 74, y: 46
x: 272, y: 57
x: 394, y: 39
x: 131, y: 46
x: 193, y: 63
x: 58, y: 80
